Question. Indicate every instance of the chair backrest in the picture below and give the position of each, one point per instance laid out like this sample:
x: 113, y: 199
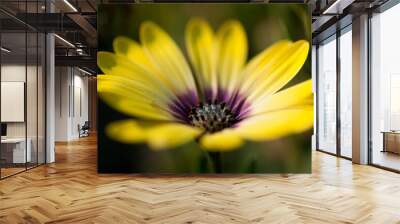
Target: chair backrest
x: 86, y: 124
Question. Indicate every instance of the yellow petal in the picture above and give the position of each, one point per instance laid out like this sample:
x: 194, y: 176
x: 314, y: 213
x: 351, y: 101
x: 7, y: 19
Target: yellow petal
x: 256, y: 68
x: 274, y: 125
x: 273, y: 74
x: 135, y: 53
x: 126, y: 131
x: 201, y: 47
x: 157, y: 135
x: 118, y: 65
x: 132, y: 86
x: 132, y: 98
x: 292, y: 96
x: 232, y: 53
x: 166, y: 55
x: 171, y: 135
x: 224, y: 140
x: 132, y: 50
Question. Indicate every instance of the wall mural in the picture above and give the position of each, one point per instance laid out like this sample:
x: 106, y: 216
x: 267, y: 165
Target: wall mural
x: 204, y: 88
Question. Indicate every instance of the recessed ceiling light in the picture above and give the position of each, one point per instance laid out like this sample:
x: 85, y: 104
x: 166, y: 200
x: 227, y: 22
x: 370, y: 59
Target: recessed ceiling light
x: 5, y: 50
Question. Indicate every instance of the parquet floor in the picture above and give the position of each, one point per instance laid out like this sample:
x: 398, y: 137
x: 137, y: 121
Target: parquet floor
x: 70, y: 191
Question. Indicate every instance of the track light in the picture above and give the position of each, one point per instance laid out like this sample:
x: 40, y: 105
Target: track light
x: 70, y: 5
x: 84, y: 71
x: 65, y: 41
x: 337, y: 7
x: 333, y: 6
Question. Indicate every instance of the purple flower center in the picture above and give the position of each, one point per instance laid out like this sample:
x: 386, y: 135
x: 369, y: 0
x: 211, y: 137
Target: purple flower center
x: 215, y: 113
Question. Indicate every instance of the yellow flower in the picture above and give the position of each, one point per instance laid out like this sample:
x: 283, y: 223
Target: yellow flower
x: 220, y: 101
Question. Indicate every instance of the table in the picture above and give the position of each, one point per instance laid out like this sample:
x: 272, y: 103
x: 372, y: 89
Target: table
x: 391, y: 141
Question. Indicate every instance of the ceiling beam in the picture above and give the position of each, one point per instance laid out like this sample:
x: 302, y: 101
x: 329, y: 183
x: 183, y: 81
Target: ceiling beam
x: 77, y: 61
x: 86, y: 27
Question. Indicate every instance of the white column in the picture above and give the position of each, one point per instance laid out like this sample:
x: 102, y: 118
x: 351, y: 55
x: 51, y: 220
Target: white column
x: 360, y: 90
x: 50, y: 92
x: 50, y: 99
x: 62, y: 103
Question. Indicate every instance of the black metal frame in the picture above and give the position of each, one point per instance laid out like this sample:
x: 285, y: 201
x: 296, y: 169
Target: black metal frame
x: 369, y: 90
x: 338, y: 98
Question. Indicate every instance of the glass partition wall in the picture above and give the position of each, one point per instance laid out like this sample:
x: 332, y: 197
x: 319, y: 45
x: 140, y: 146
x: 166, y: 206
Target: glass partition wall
x: 22, y: 77
x: 334, y: 93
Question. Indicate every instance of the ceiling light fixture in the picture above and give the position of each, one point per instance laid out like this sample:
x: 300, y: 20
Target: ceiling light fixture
x: 70, y: 5
x: 84, y: 71
x: 5, y: 50
x: 65, y: 41
x: 337, y: 7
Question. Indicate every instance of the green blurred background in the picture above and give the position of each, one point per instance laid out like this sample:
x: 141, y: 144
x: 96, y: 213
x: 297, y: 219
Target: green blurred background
x: 264, y: 24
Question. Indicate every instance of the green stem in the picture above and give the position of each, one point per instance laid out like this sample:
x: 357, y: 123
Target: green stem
x: 217, y: 161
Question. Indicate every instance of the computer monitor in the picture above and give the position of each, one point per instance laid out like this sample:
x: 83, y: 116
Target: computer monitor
x: 3, y: 129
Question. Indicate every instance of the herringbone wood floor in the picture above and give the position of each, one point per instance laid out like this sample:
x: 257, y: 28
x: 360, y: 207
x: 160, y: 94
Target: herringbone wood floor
x: 70, y: 191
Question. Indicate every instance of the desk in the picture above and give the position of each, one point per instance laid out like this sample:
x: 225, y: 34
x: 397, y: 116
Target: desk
x: 391, y: 141
x: 16, y: 147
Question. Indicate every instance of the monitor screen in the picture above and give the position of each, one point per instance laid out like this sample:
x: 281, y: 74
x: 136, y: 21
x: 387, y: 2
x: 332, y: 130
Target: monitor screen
x: 3, y: 129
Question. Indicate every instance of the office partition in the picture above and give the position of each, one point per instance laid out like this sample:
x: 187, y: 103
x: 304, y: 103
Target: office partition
x: 22, y: 77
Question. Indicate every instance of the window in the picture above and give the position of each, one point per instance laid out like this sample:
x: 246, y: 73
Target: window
x: 385, y: 89
x: 327, y: 95
x: 346, y: 93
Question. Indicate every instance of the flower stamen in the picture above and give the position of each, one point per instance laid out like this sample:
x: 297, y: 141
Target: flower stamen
x: 212, y: 117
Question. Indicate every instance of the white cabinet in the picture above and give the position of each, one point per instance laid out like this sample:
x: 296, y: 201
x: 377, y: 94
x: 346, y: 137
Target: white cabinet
x: 19, y: 155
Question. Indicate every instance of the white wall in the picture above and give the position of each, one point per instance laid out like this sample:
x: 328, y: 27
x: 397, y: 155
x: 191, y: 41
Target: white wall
x: 62, y: 81
x: 33, y: 126
x: 16, y: 73
x: 71, y: 102
x: 80, y: 110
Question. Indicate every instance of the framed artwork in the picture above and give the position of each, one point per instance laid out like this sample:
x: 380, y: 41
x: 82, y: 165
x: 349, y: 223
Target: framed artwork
x: 192, y: 88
